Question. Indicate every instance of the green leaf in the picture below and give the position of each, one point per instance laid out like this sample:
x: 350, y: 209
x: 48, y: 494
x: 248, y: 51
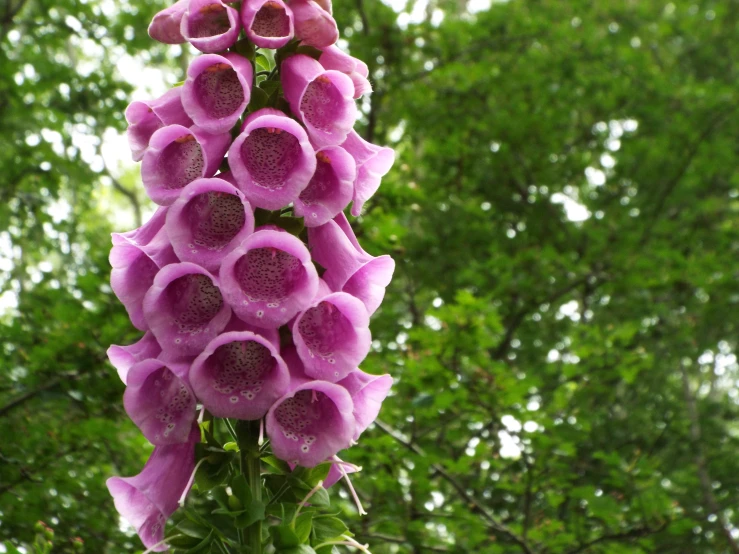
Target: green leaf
x: 244, y: 47
x: 253, y: 513
x: 192, y: 529
x: 262, y: 62
x: 280, y: 466
x: 303, y: 525
x: 311, y: 51
x: 283, y: 536
x: 300, y: 549
x: 259, y: 99
x: 240, y: 489
x: 328, y: 528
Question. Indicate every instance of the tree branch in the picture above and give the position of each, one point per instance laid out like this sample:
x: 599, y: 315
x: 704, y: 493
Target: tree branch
x: 626, y: 535
x: 704, y: 476
x: 492, y: 523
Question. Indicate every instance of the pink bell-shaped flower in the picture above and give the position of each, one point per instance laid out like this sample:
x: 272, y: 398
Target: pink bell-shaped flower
x: 272, y: 159
x: 268, y: 23
x: 217, y: 90
x: 330, y: 189
x: 322, y: 99
x: 332, y: 337
x: 210, y: 25
x: 239, y: 375
x: 177, y: 156
x: 373, y: 162
x: 184, y: 309
x: 367, y: 392
x: 136, y: 257
x: 314, y: 25
x: 313, y: 421
x: 148, y: 499
x: 144, y: 118
x: 348, y: 267
x: 159, y: 400
x: 333, y: 57
x: 269, y: 278
x: 124, y: 357
x: 165, y: 27
x: 209, y: 219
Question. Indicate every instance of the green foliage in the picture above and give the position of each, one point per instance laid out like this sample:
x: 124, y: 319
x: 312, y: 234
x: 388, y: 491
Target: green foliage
x: 563, y: 213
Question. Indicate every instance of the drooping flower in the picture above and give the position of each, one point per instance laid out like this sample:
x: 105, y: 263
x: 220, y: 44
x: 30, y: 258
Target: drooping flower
x: 314, y: 25
x: 268, y: 23
x: 239, y: 375
x: 269, y: 278
x: 333, y: 57
x: 373, y: 162
x: 124, y: 357
x: 312, y: 422
x: 348, y: 267
x: 148, y: 499
x: 322, y: 99
x: 184, y: 309
x: 146, y: 117
x: 330, y: 189
x: 367, y: 392
x: 332, y: 337
x: 165, y: 27
x: 136, y: 257
x: 177, y: 156
x: 210, y: 25
x: 159, y: 400
x: 217, y: 90
x: 272, y: 159
x: 209, y: 219
x: 238, y: 325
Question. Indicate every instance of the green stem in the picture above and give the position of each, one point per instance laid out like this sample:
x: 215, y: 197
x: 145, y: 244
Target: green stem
x: 248, y: 434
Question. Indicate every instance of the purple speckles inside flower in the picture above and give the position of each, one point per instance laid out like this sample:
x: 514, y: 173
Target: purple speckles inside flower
x: 159, y: 401
x: 219, y: 90
x: 185, y: 309
x: 322, y: 103
x: 240, y: 374
x: 324, y: 328
x: 270, y: 155
x: 215, y: 218
x: 182, y: 160
x: 195, y: 300
x: 271, y: 21
x: 209, y: 21
x: 269, y: 275
x: 269, y: 278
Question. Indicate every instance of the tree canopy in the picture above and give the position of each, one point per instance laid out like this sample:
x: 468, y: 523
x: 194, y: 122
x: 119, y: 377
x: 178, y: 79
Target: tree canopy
x: 562, y: 321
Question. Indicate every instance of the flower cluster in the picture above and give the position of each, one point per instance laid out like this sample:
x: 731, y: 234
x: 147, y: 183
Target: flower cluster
x: 244, y: 312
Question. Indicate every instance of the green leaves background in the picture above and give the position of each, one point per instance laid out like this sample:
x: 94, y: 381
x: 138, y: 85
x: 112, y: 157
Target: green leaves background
x: 550, y: 154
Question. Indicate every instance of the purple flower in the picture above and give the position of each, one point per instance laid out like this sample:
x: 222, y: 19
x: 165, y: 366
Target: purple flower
x: 210, y: 25
x: 269, y: 278
x: 136, y: 257
x: 334, y: 58
x: 367, y: 392
x: 322, y: 99
x: 348, y: 267
x: 148, y: 499
x: 373, y: 162
x: 239, y: 375
x: 177, y: 156
x: 268, y: 23
x: 272, y: 159
x: 217, y: 90
x: 165, y: 27
x: 123, y: 357
x: 237, y: 325
x: 330, y: 189
x: 332, y: 337
x: 314, y: 25
x: 312, y: 422
x: 209, y: 219
x: 184, y: 309
x: 159, y: 400
x: 144, y: 118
